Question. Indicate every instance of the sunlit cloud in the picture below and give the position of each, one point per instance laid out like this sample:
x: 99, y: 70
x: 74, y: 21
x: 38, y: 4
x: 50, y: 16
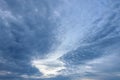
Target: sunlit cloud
x: 49, y: 68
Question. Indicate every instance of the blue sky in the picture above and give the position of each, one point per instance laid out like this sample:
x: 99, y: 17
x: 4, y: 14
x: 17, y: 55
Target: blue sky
x: 59, y: 40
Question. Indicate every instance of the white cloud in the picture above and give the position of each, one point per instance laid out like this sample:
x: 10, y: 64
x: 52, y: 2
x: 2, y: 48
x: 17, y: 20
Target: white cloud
x: 49, y: 68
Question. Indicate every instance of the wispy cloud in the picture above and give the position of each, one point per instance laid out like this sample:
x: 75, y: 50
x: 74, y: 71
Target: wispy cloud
x: 75, y: 35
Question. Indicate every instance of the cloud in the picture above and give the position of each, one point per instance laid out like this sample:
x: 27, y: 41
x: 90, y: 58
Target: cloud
x: 93, y: 35
x: 49, y: 68
x: 104, y: 67
x: 59, y: 39
x: 24, y: 33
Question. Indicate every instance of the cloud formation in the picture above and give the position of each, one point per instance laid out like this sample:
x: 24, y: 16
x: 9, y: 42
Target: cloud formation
x: 59, y: 40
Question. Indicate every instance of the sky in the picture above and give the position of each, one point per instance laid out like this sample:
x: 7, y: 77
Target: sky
x: 59, y: 39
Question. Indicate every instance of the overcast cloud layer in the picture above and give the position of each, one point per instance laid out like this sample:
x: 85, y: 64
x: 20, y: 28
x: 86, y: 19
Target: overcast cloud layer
x: 59, y: 39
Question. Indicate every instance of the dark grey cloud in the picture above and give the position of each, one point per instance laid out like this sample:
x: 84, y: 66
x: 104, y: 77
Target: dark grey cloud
x: 26, y: 30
